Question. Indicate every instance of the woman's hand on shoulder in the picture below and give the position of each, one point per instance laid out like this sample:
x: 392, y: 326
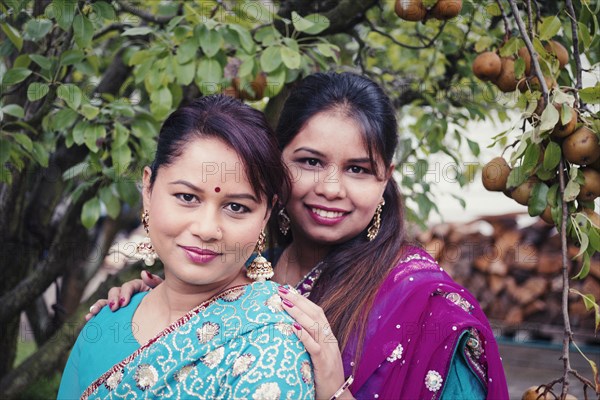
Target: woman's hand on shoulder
x: 119, y: 296
x: 313, y: 330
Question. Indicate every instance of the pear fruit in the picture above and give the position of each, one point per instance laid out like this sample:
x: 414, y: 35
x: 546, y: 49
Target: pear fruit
x: 546, y: 216
x: 591, y: 187
x: 533, y: 393
x: 410, y: 10
x: 522, y: 193
x: 495, y: 174
x: 593, y: 216
x: 506, y: 81
x: 559, y: 51
x: 487, y: 66
x: 524, y: 54
x: 446, y: 9
x: 561, y: 131
x: 581, y: 147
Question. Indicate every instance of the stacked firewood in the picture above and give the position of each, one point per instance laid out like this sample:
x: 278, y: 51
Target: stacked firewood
x: 515, y: 272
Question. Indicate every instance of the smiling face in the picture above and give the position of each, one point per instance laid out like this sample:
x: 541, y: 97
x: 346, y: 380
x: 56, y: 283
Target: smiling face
x: 334, y: 190
x: 205, y: 217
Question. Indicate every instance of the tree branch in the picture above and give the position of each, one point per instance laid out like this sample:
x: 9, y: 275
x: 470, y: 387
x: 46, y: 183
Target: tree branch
x: 148, y: 17
x: 565, y: 279
x: 531, y: 49
x: 408, y: 46
x: 576, y: 55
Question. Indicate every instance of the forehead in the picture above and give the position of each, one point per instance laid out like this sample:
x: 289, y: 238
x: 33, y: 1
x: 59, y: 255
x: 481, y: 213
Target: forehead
x: 208, y: 160
x: 332, y: 132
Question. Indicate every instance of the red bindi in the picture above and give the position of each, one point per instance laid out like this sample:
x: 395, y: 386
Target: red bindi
x: 217, y: 189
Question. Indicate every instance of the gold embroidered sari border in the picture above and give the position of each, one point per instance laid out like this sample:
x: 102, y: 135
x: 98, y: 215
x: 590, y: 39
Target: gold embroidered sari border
x: 171, y: 328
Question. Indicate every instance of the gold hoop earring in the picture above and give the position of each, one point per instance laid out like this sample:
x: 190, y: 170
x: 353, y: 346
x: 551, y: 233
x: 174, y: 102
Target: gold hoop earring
x: 144, y: 250
x: 283, y: 221
x: 260, y: 269
x: 373, y: 230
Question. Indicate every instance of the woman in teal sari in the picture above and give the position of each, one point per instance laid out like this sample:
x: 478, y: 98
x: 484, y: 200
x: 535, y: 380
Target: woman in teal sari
x: 209, y: 331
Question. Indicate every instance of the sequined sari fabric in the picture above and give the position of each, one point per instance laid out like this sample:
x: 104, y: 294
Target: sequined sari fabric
x: 239, y: 344
x: 414, y: 328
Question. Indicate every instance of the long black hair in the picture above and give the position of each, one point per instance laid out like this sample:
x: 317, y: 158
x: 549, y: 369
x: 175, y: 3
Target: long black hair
x: 352, y: 271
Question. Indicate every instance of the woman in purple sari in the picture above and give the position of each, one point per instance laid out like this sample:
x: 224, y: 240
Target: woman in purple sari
x: 378, y: 316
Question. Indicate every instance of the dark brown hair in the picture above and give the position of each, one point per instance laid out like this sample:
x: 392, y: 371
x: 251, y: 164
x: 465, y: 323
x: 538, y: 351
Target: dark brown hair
x: 352, y: 271
x: 237, y: 124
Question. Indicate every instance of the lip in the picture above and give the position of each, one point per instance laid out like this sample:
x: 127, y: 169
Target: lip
x: 198, y: 255
x: 325, y: 220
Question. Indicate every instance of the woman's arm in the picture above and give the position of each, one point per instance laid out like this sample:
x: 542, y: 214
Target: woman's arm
x: 312, y: 328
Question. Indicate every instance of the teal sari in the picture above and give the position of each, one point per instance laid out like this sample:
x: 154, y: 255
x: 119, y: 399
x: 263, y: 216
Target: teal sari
x: 239, y: 344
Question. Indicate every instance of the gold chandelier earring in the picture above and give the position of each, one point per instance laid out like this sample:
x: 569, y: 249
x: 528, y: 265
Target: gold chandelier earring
x: 260, y: 269
x: 284, y: 221
x: 376, y: 224
x: 144, y: 250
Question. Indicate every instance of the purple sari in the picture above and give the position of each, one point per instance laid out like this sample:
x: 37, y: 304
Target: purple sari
x: 414, y: 328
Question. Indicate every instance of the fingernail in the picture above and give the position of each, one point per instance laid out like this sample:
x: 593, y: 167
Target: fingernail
x: 287, y: 303
x: 149, y: 275
x: 297, y: 326
x: 283, y: 290
x: 121, y: 301
x: 111, y: 304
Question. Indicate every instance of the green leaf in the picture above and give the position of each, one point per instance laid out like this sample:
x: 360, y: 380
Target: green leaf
x: 42, y: 61
x: 161, y: 101
x: 104, y: 10
x: 590, y: 95
x: 291, y: 58
x: 516, y: 177
x: 565, y: 114
x: 4, y: 151
x: 328, y: 50
x: 245, y: 37
x: 71, y: 57
x: 571, y: 191
x: 551, y: 156
x: 64, y: 12
x: 511, y: 47
x: 36, y: 29
x: 209, y: 74
x: 139, y: 31
x: 585, y: 266
x: 128, y: 191
x: 549, y: 27
x: 89, y: 111
x: 13, y: 35
x: 594, y: 238
x: 91, y: 134
x: 83, y: 30
x: 79, y: 132
x: 532, y: 155
x: 36, y: 91
x: 24, y: 141
x: 71, y: 94
x: 111, y: 202
x: 120, y: 135
x: 210, y: 41
x: 15, y: 75
x: 185, y: 73
x: 538, y: 201
x: 90, y: 212
x: 585, y: 39
x: 549, y: 118
x: 553, y: 195
x: 121, y: 157
x: 185, y: 53
x: 270, y: 59
x: 40, y: 154
x: 75, y: 171
x: 14, y: 109
x: 311, y: 24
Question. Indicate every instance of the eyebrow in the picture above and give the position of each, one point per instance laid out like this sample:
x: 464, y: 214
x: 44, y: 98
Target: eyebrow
x: 239, y: 196
x: 362, y: 160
